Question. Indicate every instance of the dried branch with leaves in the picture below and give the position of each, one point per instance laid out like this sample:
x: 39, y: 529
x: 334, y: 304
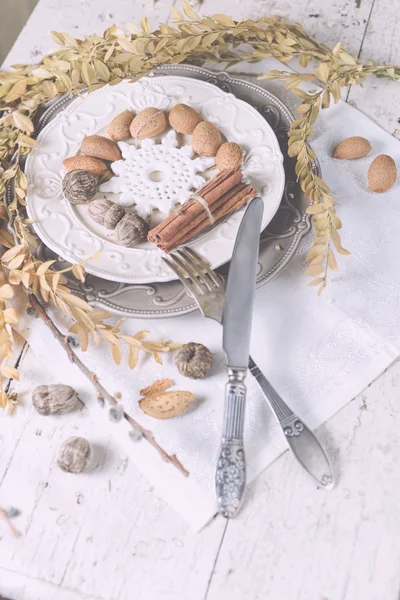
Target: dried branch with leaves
x: 99, y: 60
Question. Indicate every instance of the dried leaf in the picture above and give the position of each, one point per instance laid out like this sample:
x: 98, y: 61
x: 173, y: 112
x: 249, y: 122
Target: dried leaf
x: 332, y: 261
x: 116, y: 353
x: 23, y: 122
x: 57, y: 37
x: 316, y: 281
x: 88, y: 73
x: 133, y: 357
x: 73, y: 300
x: 6, y: 292
x: 314, y: 270
x: 9, y: 371
x: 44, y: 266
x: 337, y: 243
x: 10, y: 254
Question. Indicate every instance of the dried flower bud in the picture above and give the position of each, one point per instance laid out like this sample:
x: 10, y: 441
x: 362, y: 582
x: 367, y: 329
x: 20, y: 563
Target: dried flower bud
x: 74, y: 455
x: 106, y: 212
x: 194, y: 360
x: 98, y: 208
x: 79, y: 186
x: 113, y: 216
x: 54, y: 399
x: 131, y: 230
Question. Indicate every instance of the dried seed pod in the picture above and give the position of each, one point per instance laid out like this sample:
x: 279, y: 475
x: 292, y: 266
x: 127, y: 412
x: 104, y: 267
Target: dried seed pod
x: 167, y: 404
x: 79, y: 186
x: 148, y: 123
x: 352, y: 147
x: 119, y: 126
x: 382, y: 173
x: 229, y: 156
x: 99, y: 146
x: 131, y: 230
x: 85, y: 163
x: 54, y: 399
x: 194, y: 360
x: 106, y: 212
x: 74, y: 455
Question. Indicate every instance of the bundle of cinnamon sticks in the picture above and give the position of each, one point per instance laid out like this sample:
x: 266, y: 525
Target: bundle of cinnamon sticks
x: 223, y: 195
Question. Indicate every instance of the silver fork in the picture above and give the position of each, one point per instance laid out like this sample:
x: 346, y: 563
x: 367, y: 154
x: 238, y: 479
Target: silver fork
x: 208, y: 290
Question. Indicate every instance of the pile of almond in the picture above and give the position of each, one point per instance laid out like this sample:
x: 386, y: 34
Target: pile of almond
x: 98, y: 151
x: 382, y: 172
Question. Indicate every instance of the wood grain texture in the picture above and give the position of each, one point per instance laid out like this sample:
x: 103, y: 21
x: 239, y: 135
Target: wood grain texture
x: 104, y: 535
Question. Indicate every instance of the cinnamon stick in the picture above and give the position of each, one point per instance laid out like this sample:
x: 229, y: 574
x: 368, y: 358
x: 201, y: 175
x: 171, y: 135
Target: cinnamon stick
x: 223, y: 194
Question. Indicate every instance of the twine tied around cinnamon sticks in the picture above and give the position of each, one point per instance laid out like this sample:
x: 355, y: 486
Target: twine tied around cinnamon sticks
x: 198, y: 198
x: 223, y: 195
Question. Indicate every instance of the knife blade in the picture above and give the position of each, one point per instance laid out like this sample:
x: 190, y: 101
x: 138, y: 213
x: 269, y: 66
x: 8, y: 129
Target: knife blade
x: 239, y: 297
x: 230, y: 475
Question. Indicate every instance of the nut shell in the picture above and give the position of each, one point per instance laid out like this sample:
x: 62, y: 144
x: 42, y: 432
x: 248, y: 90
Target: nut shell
x: 74, y: 455
x: 167, y: 404
x: 119, y: 126
x: 79, y: 186
x: 184, y: 118
x: 194, y: 360
x: 131, y: 230
x: 99, y: 146
x: 352, y: 147
x: 54, y: 399
x: 229, y: 156
x: 85, y: 163
x: 382, y: 173
x: 148, y: 123
x: 206, y: 139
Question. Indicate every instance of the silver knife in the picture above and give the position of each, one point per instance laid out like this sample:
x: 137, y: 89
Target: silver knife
x: 230, y: 478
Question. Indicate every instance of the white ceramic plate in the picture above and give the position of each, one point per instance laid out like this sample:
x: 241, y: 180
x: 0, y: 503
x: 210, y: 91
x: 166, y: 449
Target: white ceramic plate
x: 70, y: 232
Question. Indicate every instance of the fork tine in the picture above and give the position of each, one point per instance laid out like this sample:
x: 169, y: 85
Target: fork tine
x: 187, y: 276
x: 179, y: 273
x: 194, y: 269
x: 201, y: 264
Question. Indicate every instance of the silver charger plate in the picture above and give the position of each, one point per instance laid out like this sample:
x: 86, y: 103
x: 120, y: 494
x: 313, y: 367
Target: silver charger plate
x: 278, y: 241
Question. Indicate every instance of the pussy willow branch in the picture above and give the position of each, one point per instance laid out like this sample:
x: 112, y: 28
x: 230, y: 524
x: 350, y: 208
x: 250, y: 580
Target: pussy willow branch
x: 101, y: 391
x: 6, y: 518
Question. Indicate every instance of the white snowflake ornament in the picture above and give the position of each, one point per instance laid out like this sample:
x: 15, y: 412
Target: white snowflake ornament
x: 156, y: 175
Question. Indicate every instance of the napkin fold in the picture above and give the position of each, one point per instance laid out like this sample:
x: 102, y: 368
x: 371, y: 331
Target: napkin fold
x: 318, y: 352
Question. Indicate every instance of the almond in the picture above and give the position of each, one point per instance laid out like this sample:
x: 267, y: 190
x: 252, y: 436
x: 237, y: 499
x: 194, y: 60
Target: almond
x: 119, y: 126
x: 352, y: 147
x: 206, y: 139
x: 167, y: 404
x: 148, y: 123
x: 99, y: 146
x: 382, y: 173
x: 85, y: 163
x: 229, y: 156
x: 184, y: 119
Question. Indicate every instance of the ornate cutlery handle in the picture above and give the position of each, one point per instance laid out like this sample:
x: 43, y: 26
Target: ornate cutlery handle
x: 303, y: 443
x: 230, y: 477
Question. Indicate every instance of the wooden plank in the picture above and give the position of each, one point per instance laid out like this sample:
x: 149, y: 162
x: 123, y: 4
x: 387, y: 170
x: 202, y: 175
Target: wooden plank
x: 379, y: 98
x: 105, y: 535
x: 101, y: 533
x: 295, y: 542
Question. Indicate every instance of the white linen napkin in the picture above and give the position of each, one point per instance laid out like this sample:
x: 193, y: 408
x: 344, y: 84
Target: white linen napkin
x: 318, y: 352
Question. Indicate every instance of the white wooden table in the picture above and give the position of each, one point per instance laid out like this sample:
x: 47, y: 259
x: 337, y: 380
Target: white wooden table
x: 107, y: 536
